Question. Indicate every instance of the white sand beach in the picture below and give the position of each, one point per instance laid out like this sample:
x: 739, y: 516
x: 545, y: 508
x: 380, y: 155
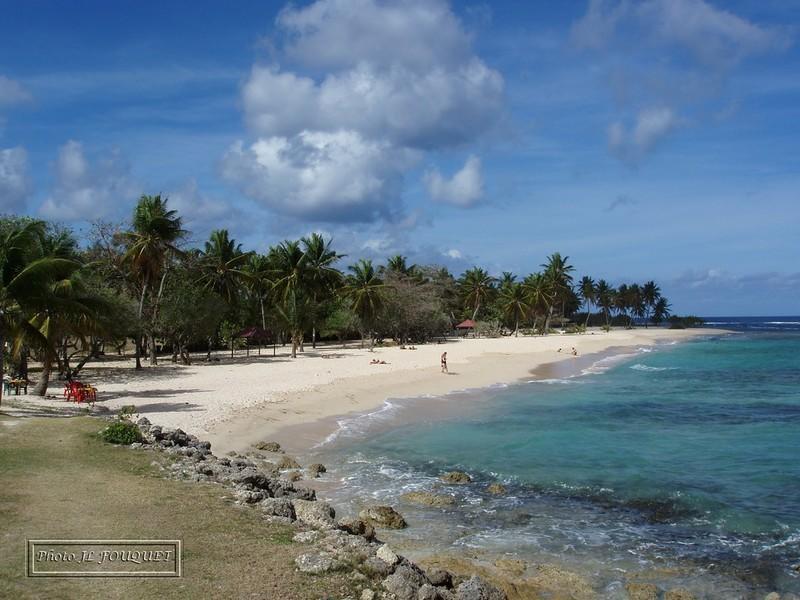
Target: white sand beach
x: 235, y: 402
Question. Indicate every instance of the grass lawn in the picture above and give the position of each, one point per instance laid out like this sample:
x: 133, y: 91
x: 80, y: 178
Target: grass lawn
x: 59, y: 480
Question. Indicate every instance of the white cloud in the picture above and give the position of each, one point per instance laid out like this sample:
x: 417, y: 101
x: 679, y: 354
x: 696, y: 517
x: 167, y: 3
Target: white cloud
x: 324, y: 176
x: 390, y: 82
x: 713, y: 36
x: 201, y: 213
x: 464, y: 188
x: 454, y: 254
x: 12, y: 92
x: 86, y: 191
x: 651, y: 126
x: 15, y: 184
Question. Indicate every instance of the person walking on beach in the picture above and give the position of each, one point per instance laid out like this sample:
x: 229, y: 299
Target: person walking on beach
x: 444, y: 362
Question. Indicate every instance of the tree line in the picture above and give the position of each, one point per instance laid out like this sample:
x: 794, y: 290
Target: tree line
x: 138, y: 283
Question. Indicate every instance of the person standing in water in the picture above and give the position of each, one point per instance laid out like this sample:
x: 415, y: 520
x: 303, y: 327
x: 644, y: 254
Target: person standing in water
x: 444, y: 362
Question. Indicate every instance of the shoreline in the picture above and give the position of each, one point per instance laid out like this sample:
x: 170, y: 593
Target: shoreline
x: 301, y: 420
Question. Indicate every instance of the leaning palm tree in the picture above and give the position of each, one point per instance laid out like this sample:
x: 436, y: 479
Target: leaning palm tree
x: 323, y: 277
x: 365, y: 292
x: 539, y: 297
x: 476, y: 288
x: 588, y: 294
x: 514, y: 304
x: 152, y: 239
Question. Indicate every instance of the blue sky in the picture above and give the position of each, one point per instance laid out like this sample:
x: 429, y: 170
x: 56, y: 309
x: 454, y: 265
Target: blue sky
x: 652, y: 139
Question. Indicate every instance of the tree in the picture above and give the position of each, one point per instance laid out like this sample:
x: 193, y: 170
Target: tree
x: 222, y: 267
x: 557, y: 272
x: 604, y: 294
x: 365, y: 292
x: 153, y: 238
x: 476, y: 287
x: 323, y: 277
x: 291, y: 289
x: 661, y: 311
x: 398, y: 265
x: 514, y: 304
x: 651, y: 294
x: 260, y: 274
x: 588, y: 294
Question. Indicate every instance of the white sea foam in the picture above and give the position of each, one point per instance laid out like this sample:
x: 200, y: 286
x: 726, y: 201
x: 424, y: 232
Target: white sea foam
x: 354, y: 425
x: 782, y: 322
x: 641, y: 367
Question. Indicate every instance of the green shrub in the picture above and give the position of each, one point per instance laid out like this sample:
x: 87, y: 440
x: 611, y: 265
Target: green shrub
x: 122, y: 432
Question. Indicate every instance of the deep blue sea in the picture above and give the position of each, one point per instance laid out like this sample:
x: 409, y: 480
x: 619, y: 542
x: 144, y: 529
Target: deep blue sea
x: 680, y: 455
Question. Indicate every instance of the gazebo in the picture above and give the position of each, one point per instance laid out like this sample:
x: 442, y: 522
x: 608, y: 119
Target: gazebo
x: 465, y: 326
x: 258, y: 335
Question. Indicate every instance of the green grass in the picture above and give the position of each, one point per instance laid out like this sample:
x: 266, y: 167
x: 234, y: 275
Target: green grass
x: 58, y: 479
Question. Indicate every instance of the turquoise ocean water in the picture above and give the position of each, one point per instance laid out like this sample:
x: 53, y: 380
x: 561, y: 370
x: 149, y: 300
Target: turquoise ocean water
x: 685, y: 454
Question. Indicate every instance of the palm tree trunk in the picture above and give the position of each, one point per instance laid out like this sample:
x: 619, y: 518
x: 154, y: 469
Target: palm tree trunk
x: 475, y: 312
x: 138, y: 334
x: 588, y: 314
x: 44, y: 379
x: 263, y: 319
x: 516, y: 328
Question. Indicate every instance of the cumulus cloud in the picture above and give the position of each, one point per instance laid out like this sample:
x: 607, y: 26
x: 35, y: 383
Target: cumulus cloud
x: 651, y: 126
x: 374, y: 86
x: 12, y: 92
x: 84, y: 190
x: 464, y: 188
x: 15, y: 184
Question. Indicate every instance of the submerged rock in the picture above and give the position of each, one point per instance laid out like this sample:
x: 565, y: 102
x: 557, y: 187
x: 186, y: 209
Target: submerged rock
x: 429, y: 498
x: 287, y: 462
x: 315, y: 469
x: 679, y: 594
x: 498, y: 489
x: 456, y: 478
x: 642, y: 591
x: 383, y: 516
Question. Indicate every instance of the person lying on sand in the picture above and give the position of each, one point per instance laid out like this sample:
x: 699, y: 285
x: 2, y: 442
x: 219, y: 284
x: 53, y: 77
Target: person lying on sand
x: 375, y: 361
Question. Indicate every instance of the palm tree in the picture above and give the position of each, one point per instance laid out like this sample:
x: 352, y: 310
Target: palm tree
x: 558, y: 273
x: 506, y: 281
x: 476, y: 288
x: 323, y: 277
x: 651, y: 294
x: 635, y: 303
x: 514, y: 304
x: 222, y: 267
x: 364, y: 289
x: 26, y: 276
x: 152, y: 239
x: 587, y: 290
x: 260, y: 280
x: 660, y: 310
x: 604, y: 294
x: 398, y: 264
x: 290, y: 287
x: 538, y: 295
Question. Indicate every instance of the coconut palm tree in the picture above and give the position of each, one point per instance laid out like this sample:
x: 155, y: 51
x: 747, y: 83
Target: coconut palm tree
x: 476, y: 287
x: 364, y: 290
x: 558, y: 273
x: 587, y: 290
x: 605, y: 296
x: 223, y: 267
x: 26, y: 277
x: 660, y: 310
x: 259, y: 279
x: 153, y: 238
x: 651, y: 294
x: 514, y: 304
x: 506, y: 281
x: 323, y: 277
x: 539, y: 296
x: 290, y: 288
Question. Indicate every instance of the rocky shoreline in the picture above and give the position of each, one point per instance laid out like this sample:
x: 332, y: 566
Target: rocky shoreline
x: 344, y: 544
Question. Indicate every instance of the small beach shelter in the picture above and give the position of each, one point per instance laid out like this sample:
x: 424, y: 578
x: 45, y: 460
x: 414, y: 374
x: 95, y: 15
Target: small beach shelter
x: 465, y: 326
x: 258, y: 335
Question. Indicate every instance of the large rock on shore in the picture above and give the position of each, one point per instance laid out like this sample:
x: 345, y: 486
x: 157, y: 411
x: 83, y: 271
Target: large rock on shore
x: 497, y: 489
x: 476, y: 588
x: 316, y: 564
x: 278, y: 507
x: 456, y: 478
x: 429, y: 499
x: 642, y: 591
x: 317, y: 514
x: 356, y: 526
x: 404, y: 583
x: 383, y: 517
x: 268, y: 446
x: 287, y: 462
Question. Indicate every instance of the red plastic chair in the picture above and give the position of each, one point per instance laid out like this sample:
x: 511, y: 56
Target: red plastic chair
x: 75, y: 390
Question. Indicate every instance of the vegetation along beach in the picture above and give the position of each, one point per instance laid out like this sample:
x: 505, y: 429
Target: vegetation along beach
x: 399, y: 300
